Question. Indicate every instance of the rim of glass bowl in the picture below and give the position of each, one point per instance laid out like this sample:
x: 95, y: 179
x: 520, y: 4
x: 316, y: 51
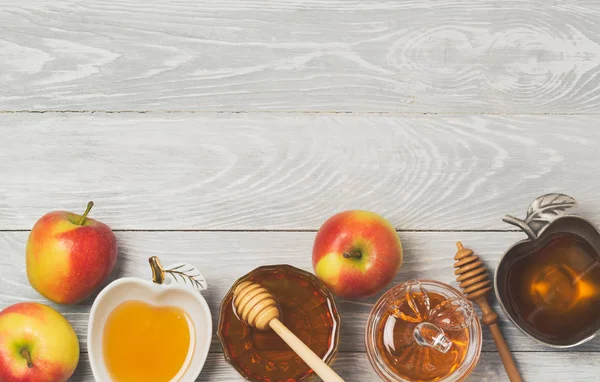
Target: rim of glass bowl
x: 376, y: 360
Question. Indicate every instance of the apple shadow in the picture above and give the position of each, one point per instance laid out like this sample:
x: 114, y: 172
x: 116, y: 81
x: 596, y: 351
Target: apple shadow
x: 119, y: 269
x: 215, y: 356
x: 210, y: 368
x: 83, y: 372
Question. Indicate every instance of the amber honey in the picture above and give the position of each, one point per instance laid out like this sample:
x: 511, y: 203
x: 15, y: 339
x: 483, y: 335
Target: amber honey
x: 142, y: 342
x: 423, y: 330
x: 305, y: 308
x: 555, y: 289
x: 394, y: 341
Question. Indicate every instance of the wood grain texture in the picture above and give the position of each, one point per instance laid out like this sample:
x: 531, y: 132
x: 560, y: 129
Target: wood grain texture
x: 223, y: 257
x: 289, y: 172
x: 355, y: 367
x: 374, y: 55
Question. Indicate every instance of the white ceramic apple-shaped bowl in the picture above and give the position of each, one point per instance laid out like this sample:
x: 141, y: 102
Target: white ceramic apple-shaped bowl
x: 179, y: 286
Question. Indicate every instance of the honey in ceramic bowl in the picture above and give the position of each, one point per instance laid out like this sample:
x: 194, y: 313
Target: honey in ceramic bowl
x: 157, y: 331
x: 306, y: 308
x: 163, y: 338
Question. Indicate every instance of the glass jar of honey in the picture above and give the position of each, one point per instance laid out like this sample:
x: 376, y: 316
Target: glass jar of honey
x: 306, y: 307
x: 423, y: 331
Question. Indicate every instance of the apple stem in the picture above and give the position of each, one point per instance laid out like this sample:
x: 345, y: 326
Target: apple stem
x: 353, y: 255
x: 85, y: 214
x: 25, y: 353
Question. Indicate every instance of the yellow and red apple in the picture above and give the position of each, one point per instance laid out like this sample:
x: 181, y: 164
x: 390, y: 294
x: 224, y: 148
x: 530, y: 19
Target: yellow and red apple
x: 356, y: 253
x: 37, y: 344
x: 69, y: 256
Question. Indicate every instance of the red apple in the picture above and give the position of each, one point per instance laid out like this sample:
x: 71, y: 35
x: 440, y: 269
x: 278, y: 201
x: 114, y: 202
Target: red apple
x: 356, y: 253
x: 69, y: 256
x: 37, y: 344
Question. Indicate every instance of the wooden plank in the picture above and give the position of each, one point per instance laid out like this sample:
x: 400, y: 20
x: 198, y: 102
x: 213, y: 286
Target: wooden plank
x: 291, y: 172
x: 355, y: 367
x: 225, y: 256
x: 376, y: 55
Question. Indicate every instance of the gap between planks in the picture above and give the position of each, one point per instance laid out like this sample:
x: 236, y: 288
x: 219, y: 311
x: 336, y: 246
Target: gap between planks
x: 283, y: 112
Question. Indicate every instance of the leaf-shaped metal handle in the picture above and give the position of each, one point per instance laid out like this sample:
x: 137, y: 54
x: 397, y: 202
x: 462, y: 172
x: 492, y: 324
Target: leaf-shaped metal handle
x: 180, y: 273
x: 548, y: 207
x: 541, y: 212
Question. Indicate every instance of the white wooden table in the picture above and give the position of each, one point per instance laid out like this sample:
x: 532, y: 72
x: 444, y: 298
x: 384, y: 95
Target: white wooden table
x: 223, y: 133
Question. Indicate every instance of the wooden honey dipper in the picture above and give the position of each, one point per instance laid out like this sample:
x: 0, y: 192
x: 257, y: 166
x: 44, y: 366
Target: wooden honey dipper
x: 257, y: 306
x: 473, y: 279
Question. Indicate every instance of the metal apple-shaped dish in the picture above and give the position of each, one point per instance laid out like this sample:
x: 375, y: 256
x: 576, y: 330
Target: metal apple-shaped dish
x: 549, y: 284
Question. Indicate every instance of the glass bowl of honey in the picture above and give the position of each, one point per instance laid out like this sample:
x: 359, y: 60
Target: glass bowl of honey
x: 423, y: 330
x: 306, y: 307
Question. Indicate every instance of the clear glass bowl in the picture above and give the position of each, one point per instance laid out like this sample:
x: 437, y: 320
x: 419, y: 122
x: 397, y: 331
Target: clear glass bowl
x: 402, y: 304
